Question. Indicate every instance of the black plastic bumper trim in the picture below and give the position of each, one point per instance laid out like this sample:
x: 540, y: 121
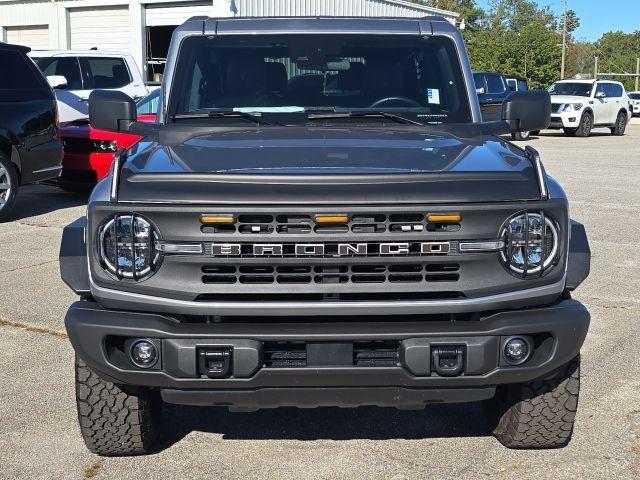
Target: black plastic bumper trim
x: 89, y: 326
x: 405, y: 398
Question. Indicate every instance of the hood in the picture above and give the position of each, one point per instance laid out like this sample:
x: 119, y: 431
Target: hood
x: 327, y: 165
x: 569, y: 99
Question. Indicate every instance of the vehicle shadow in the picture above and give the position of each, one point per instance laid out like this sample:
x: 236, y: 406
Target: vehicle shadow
x: 560, y: 133
x: 34, y: 200
x: 366, y: 423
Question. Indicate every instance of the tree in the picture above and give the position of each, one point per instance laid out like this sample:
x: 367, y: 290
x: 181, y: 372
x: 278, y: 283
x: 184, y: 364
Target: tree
x: 468, y: 10
x: 517, y: 37
x: 617, y: 53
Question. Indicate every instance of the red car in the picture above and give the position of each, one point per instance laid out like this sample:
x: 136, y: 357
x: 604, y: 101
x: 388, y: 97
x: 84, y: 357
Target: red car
x: 88, y: 152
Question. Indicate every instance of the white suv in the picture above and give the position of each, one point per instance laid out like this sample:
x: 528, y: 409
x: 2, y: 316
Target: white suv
x: 74, y: 74
x: 635, y: 103
x: 578, y: 106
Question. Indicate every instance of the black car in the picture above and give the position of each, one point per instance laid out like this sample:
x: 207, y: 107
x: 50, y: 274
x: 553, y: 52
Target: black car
x: 320, y: 217
x: 30, y: 147
x: 493, y: 89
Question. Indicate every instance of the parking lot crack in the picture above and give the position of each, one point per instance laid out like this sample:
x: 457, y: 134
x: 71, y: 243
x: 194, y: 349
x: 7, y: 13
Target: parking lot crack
x: 25, y: 267
x: 37, y: 225
x: 4, y: 322
x: 93, y: 470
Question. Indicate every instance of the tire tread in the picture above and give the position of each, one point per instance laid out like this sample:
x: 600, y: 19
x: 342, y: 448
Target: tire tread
x: 113, y: 421
x: 540, y: 414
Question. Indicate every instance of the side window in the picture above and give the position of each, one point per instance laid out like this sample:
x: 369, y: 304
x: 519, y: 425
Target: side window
x: 616, y: 90
x: 495, y: 84
x: 107, y: 72
x: 66, y: 66
x: 22, y: 76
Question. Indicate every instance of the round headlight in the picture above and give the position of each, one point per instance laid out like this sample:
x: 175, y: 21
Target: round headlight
x: 530, y: 243
x: 127, y: 246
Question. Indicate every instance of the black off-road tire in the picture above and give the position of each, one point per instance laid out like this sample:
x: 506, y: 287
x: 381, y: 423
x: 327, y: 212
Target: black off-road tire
x: 586, y: 125
x: 8, y: 174
x: 539, y: 414
x: 620, y: 126
x: 115, y: 420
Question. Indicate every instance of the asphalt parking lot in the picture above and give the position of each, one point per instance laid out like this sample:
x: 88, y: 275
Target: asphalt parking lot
x: 39, y: 436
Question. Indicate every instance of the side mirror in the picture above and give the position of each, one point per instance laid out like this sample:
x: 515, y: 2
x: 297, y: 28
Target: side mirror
x: 527, y: 110
x: 480, y: 91
x: 600, y: 95
x: 57, y: 82
x: 112, y: 111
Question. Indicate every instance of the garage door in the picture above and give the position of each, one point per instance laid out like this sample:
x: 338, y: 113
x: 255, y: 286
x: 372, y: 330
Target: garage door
x: 34, y: 36
x: 106, y: 28
x: 168, y: 15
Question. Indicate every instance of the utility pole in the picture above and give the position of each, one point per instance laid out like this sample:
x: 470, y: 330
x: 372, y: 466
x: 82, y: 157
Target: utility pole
x: 595, y: 68
x: 564, y: 39
x: 637, y: 72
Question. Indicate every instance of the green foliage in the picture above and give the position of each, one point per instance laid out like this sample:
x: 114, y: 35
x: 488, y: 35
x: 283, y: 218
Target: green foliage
x: 520, y: 37
x: 516, y: 37
x: 617, y: 53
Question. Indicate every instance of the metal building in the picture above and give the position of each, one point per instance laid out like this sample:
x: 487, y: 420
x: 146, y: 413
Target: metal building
x: 143, y: 27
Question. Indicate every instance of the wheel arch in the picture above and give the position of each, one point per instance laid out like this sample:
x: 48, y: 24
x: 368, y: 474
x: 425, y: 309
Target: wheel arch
x: 9, y: 151
x: 589, y: 111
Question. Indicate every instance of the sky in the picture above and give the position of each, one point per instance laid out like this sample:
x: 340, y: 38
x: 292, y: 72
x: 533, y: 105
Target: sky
x: 597, y: 16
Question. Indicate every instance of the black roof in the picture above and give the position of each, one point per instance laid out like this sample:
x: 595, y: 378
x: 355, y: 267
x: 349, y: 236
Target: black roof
x: 19, y: 48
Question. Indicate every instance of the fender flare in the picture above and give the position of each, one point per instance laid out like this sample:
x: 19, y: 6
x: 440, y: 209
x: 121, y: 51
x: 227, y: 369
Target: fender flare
x: 579, y: 258
x: 74, y: 269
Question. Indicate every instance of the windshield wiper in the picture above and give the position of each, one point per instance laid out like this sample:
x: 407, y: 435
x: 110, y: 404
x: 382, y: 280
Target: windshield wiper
x: 387, y: 115
x: 223, y: 114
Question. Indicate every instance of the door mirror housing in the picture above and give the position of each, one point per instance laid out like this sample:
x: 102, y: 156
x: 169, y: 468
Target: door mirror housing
x: 600, y: 94
x: 527, y: 110
x: 111, y: 110
x: 57, y: 82
x: 480, y: 91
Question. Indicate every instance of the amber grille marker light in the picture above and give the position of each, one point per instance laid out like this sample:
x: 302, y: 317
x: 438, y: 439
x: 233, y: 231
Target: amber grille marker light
x: 444, y: 217
x: 218, y: 219
x: 331, y: 218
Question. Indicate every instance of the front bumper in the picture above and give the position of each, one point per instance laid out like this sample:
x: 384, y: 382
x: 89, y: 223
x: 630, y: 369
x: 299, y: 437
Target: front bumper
x: 565, y: 119
x: 327, y: 378
x: 84, y: 169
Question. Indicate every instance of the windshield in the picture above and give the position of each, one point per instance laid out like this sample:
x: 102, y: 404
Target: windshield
x: 572, y: 89
x: 409, y: 76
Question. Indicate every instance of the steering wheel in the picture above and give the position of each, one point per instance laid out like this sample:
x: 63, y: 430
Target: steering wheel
x: 404, y: 102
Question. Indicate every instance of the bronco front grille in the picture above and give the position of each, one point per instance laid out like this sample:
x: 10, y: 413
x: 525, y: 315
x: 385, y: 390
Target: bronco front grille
x: 304, y: 224
x: 331, y: 274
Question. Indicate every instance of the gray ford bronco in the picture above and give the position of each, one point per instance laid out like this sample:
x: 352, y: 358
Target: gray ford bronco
x: 319, y: 217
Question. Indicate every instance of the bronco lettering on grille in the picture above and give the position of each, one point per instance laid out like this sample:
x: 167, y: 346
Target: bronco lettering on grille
x: 328, y: 249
